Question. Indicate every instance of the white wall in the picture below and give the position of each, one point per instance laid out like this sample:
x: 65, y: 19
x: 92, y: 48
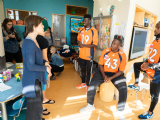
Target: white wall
x: 125, y: 10
x: 1, y: 11
x: 1, y: 20
x: 121, y: 11
x: 150, y: 5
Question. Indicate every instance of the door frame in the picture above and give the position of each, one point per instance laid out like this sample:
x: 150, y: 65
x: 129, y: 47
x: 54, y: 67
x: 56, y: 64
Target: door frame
x: 64, y: 22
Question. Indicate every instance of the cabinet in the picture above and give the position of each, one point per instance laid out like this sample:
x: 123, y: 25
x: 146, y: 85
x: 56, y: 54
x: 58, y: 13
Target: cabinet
x: 141, y: 16
x: 76, y: 10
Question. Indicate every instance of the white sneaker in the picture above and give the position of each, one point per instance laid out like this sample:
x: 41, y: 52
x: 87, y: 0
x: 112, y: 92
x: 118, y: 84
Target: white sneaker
x: 121, y: 115
x: 87, y: 108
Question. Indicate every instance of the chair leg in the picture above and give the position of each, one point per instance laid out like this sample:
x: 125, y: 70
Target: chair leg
x: 129, y: 91
x: 136, y: 99
x: 143, y: 95
x: 132, y: 92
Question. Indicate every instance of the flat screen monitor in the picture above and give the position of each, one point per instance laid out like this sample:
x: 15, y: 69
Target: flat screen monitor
x: 138, y: 43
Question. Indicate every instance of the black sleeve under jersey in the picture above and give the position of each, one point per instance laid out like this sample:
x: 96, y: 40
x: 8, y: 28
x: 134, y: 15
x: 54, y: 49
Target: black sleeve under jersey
x: 43, y: 43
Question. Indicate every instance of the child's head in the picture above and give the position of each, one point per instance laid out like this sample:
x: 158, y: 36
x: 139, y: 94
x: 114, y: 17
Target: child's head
x: 52, y: 50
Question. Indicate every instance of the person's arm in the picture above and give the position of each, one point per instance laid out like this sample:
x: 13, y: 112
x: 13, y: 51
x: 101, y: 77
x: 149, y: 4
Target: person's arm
x: 45, y: 58
x: 30, y: 56
x: 152, y: 66
x: 44, y: 53
x: 101, y: 69
x: 89, y: 46
x: 95, y: 41
x: 101, y: 65
x: 5, y: 38
x: 121, y: 68
x: 114, y: 76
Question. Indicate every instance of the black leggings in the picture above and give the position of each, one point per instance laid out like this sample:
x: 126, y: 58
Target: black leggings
x: 137, y: 69
x: 56, y: 69
x: 83, y: 64
x: 16, y: 56
x: 154, y: 88
x: 34, y: 105
x: 119, y: 83
x: 154, y: 91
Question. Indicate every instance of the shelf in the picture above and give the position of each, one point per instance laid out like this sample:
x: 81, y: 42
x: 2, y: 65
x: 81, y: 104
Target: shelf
x: 75, y: 15
x: 19, y: 25
x: 140, y: 27
x: 19, y: 14
x: 76, y: 10
x: 139, y: 18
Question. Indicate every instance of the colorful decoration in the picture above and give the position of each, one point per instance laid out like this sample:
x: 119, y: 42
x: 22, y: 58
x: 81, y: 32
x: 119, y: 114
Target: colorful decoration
x: 9, y: 12
x: 19, y: 22
x: 101, y: 44
x: 104, y: 46
x: 112, y: 9
x: 14, y: 22
x: 73, y: 11
x: 76, y: 24
x: 19, y: 65
x: 100, y: 15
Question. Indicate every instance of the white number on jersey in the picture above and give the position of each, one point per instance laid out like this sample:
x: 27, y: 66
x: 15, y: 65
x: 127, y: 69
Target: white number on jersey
x: 86, y: 38
x: 108, y: 63
x: 155, y: 53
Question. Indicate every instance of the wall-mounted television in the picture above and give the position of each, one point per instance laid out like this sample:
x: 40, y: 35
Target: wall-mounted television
x: 138, y: 42
x: 76, y: 24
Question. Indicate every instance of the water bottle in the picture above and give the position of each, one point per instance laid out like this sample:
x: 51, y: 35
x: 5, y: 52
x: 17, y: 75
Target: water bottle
x: 4, y: 76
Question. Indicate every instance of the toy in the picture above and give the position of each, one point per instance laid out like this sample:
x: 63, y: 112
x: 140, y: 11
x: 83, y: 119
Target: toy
x: 19, y: 65
x: 18, y: 76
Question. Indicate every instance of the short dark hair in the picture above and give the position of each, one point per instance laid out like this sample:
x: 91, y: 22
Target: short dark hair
x: 32, y: 20
x: 120, y: 40
x: 87, y: 16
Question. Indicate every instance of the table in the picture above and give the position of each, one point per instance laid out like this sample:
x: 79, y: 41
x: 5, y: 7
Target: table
x: 10, y: 94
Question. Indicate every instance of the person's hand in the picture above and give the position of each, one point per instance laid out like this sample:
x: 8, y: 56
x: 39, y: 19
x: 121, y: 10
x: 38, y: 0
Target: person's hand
x: 105, y: 78
x: 80, y: 44
x: 109, y: 79
x: 49, y: 74
x: 11, y: 36
x: 144, y: 66
x: 48, y: 65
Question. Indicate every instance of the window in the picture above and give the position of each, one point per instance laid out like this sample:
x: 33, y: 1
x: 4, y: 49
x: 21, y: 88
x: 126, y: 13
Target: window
x: 10, y: 14
x: 18, y: 14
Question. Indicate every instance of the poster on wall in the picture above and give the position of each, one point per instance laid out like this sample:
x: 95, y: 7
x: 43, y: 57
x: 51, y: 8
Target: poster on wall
x: 76, y: 24
x: 104, y: 33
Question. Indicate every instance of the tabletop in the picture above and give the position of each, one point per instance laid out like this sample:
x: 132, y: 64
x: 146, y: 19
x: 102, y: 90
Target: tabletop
x: 16, y: 89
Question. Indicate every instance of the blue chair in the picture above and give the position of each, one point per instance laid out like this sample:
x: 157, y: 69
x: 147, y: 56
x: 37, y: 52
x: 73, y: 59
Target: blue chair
x: 14, y: 107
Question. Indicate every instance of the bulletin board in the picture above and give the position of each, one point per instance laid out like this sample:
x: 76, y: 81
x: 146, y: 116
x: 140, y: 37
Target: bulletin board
x: 103, y: 26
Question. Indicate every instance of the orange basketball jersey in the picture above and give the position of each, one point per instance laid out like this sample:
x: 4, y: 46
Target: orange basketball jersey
x: 87, y: 37
x: 113, y: 62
